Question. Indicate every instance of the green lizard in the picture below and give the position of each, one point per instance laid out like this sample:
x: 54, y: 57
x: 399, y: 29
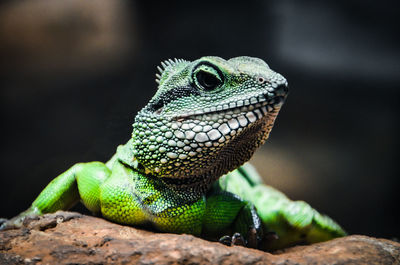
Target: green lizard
x: 206, y: 120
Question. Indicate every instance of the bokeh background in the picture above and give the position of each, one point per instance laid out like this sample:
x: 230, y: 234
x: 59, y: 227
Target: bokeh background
x: 74, y: 73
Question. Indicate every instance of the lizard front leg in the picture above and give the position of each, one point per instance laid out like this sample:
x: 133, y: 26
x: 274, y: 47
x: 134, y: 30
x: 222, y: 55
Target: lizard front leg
x: 81, y: 181
x: 227, y: 214
x: 130, y: 197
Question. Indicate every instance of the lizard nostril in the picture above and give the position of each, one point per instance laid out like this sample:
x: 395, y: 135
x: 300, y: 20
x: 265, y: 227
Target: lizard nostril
x: 281, y: 90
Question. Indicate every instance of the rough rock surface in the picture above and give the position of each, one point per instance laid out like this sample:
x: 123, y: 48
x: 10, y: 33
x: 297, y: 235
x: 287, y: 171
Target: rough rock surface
x: 72, y: 238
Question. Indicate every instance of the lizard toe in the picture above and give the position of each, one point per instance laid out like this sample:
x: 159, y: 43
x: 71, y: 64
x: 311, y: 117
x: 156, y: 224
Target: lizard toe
x: 226, y: 240
x: 238, y: 240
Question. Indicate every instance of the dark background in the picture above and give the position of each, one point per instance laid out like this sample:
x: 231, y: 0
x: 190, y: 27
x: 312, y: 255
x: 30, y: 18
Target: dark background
x: 74, y: 73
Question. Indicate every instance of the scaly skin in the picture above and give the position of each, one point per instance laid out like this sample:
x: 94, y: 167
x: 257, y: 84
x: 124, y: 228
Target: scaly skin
x: 206, y: 119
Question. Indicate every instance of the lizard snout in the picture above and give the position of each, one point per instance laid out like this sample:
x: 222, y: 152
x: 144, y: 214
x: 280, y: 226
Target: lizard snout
x: 282, y: 90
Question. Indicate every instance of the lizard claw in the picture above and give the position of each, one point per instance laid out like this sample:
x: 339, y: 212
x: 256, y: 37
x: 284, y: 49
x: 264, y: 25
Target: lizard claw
x: 252, y: 238
x: 13, y: 223
x: 236, y: 240
x: 3, y: 221
x: 18, y: 221
x: 226, y: 240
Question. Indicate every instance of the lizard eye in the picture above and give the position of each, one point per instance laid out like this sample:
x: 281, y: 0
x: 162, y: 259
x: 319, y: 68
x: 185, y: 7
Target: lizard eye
x: 207, y: 78
x: 207, y: 81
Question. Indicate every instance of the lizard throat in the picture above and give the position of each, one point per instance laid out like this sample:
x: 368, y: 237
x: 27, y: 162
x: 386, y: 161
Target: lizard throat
x: 228, y: 157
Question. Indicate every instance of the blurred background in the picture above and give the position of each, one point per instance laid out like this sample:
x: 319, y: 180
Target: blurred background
x: 74, y: 74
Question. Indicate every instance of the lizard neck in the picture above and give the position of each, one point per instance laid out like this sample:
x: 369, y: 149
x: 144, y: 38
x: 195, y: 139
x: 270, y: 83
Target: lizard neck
x: 196, y: 186
x: 190, y: 189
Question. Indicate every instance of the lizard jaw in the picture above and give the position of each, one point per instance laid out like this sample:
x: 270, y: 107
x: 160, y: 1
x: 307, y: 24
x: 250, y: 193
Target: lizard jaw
x: 185, y: 141
x: 264, y: 103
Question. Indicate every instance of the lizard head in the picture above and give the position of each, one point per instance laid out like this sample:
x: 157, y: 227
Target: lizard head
x: 207, y: 117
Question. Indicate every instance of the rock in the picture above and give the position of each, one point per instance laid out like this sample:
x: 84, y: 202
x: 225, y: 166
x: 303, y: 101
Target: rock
x: 73, y: 238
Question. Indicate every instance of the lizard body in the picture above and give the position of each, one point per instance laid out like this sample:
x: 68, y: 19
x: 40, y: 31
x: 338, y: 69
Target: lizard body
x: 205, y: 121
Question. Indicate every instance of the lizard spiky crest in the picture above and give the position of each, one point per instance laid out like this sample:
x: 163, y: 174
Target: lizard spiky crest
x: 167, y: 67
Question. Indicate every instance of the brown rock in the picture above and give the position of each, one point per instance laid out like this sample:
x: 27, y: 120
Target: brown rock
x: 72, y: 238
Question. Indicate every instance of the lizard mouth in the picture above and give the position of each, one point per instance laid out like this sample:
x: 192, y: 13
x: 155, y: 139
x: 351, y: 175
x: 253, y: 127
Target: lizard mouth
x: 213, y: 126
x: 253, y: 108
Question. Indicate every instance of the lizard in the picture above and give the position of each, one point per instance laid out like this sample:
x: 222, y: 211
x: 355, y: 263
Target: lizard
x: 185, y: 170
